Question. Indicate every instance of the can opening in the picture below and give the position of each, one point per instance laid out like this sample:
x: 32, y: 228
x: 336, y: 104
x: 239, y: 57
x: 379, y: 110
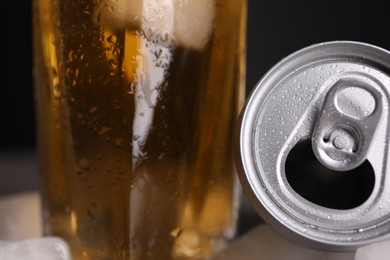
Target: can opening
x: 323, y: 186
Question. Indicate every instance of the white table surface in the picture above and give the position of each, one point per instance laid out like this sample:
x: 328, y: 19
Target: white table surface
x: 20, y: 220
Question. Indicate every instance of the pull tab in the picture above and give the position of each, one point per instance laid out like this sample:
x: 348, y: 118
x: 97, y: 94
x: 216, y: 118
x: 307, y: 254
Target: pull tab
x: 347, y: 124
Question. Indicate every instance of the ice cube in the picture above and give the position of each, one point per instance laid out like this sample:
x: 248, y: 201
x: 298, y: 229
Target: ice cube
x: 154, y: 15
x: 118, y: 14
x: 48, y: 248
x: 194, y: 20
x: 189, y: 22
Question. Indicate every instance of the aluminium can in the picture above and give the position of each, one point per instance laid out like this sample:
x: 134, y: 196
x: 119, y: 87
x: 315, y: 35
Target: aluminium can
x: 313, y: 146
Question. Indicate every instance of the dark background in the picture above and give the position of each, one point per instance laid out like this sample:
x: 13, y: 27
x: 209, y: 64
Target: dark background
x: 275, y: 29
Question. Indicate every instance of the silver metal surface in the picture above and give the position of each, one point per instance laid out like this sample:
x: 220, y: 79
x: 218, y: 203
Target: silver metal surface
x: 350, y: 79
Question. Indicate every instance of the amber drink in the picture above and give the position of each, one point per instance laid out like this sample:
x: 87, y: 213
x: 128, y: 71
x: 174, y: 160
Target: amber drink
x: 136, y: 102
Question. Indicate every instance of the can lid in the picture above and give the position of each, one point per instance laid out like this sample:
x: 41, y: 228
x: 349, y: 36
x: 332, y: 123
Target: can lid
x: 336, y: 96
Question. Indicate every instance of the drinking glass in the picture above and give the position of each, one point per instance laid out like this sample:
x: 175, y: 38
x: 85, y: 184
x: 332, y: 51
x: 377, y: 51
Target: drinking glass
x: 136, y: 102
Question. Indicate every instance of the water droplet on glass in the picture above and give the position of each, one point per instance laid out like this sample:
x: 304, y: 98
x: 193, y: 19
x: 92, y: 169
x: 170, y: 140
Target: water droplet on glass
x: 176, y: 232
x: 112, y: 38
x: 158, y: 53
x: 119, y: 142
x: 56, y: 90
x: 104, y: 130
x: 131, y: 89
x: 116, y: 51
x: 92, y: 110
x: 98, y: 17
x: 84, y: 163
x: 112, y: 63
x: 73, y: 83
